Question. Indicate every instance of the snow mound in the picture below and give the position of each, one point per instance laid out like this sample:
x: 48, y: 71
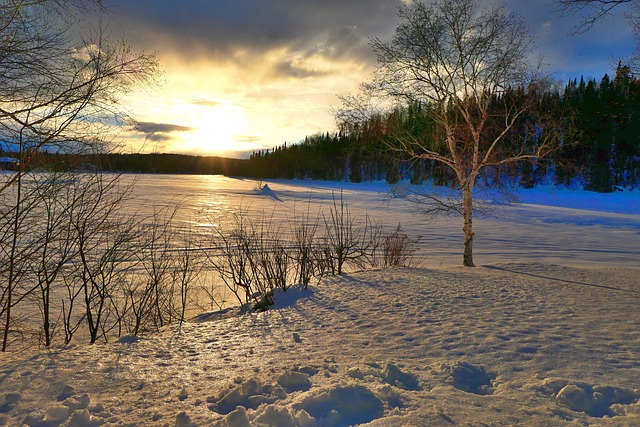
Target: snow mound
x: 66, y: 393
x: 73, y: 411
x: 184, y: 420
x: 292, y: 401
x: 467, y: 377
x: 281, y: 299
x: 290, y: 297
x: 270, y: 416
x: 341, y: 405
x: 266, y: 191
x: 596, y: 401
x: 293, y: 381
x: 249, y: 394
x: 391, y: 374
x: 10, y: 402
x: 128, y: 339
x: 77, y: 402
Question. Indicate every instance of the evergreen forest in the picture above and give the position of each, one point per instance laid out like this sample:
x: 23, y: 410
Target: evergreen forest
x: 599, y: 143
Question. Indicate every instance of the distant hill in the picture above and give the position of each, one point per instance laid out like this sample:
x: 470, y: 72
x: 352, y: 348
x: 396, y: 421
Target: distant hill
x: 142, y: 163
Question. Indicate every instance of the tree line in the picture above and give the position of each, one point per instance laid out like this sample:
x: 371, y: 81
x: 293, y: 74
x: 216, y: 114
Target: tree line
x: 163, y: 163
x: 599, y: 150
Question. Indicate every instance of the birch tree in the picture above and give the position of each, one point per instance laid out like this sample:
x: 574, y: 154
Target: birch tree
x: 461, y: 63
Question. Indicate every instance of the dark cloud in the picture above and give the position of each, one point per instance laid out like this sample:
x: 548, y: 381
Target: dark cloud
x: 160, y: 128
x: 220, y: 27
x: 159, y: 137
x: 341, y: 42
x: 569, y: 54
x: 336, y: 29
x: 159, y: 132
x: 289, y: 69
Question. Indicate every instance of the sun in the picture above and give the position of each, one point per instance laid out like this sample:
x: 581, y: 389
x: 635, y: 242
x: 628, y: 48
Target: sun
x: 217, y: 129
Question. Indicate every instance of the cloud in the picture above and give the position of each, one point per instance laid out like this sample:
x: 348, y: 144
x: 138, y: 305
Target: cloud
x: 289, y: 69
x: 221, y: 27
x: 204, y: 102
x: 160, y: 128
x: 247, y: 138
x: 159, y: 132
x: 159, y: 137
x: 341, y: 42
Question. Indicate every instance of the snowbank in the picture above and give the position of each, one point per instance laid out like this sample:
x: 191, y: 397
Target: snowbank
x: 508, y: 344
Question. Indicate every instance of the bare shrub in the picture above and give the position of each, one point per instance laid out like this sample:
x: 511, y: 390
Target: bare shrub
x: 230, y: 255
x: 252, y: 258
x: 273, y: 264
x: 186, y: 269
x: 169, y: 264
x: 257, y: 185
x: 398, y: 248
x: 305, y: 254
x: 348, y: 241
x: 151, y: 295
x: 71, y: 253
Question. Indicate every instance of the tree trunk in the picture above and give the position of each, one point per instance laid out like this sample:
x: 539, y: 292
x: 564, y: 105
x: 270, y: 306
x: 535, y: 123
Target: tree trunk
x: 467, y: 206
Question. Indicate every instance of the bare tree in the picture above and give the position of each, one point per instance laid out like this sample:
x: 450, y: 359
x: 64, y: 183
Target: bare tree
x: 19, y: 246
x: 57, y: 92
x: 105, y: 240
x: 59, y: 89
x: 458, y: 62
x: 57, y: 246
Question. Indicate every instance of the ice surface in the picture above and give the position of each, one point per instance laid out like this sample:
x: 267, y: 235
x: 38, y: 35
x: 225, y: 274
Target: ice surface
x: 551, y: 224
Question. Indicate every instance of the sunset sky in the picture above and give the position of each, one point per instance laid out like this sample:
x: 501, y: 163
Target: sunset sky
x: 243, y: 75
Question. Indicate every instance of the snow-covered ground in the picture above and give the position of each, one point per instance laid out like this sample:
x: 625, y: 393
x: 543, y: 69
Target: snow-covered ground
x: 544, y: 332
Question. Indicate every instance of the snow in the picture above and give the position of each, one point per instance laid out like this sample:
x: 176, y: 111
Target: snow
x: 268, y: 192
x: 544, y: 332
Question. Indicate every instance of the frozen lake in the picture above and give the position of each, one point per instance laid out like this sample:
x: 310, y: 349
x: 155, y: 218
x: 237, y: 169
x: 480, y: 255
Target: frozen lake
x: 550, y: 226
